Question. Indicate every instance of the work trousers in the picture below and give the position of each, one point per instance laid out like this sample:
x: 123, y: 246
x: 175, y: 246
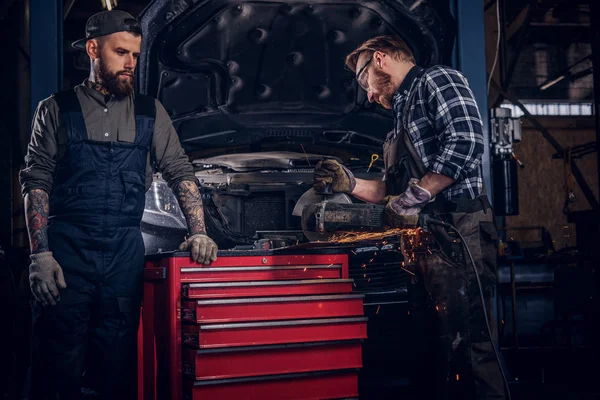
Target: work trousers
x: 88, y: 340
x: 453, y: 352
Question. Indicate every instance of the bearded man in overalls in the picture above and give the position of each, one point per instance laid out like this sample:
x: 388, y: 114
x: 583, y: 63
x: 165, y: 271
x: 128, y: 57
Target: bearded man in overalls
x: 88, y: 167
x: 433, y: 166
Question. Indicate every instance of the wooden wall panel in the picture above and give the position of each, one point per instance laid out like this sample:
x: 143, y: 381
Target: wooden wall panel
x: 542, y: 181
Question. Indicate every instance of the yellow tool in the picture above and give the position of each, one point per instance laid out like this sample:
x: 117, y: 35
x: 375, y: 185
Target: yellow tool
x: 374, y: 158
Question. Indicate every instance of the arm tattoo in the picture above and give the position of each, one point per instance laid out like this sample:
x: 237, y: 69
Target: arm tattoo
x: 190, y: 202
x: 36, y: 208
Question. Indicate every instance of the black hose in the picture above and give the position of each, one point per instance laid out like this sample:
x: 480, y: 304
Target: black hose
x: 426, y: 219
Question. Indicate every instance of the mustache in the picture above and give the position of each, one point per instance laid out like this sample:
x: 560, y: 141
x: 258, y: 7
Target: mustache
x: 128, y: 73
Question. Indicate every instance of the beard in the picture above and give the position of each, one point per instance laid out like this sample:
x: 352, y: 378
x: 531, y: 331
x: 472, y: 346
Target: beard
x: 113, y: 82
x: 383, y: 81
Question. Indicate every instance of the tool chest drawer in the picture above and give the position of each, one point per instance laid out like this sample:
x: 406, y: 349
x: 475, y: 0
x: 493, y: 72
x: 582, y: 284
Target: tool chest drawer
x: 271, y: 308
x: 303, y: 386
x: 265, y: 288
x: 260, y: 273
x: 274, y: 332
x: 228, y: 259
x: 237, y: 362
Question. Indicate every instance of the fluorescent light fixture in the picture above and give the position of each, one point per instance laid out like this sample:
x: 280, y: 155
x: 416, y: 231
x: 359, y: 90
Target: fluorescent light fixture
x: 109, y: 4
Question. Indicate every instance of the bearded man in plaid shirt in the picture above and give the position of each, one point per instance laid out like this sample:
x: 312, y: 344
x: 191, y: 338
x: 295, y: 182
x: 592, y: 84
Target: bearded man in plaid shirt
x: 433, y: 166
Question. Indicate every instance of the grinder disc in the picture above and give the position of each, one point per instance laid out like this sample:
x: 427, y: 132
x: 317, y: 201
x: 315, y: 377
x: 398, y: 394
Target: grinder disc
x: 315, y: 236
x: 312, y: 197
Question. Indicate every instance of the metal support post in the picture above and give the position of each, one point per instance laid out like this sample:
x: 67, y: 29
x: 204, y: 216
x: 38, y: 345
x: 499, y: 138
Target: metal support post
x: 469, y: 58
x: 46, y: 49
x: 595, y: 41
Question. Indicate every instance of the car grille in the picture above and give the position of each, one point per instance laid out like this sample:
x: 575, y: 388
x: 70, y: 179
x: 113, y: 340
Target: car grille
x: 264, y: 212
x: 378, y: 273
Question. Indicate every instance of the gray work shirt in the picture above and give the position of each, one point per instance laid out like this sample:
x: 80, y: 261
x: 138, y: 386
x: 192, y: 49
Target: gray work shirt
x: 106, y: 119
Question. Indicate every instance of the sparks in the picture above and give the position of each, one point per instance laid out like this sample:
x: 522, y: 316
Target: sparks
x: 377, y: 312
x: 363, y: 265
x: 305, y: 269
x: 350, y: 237
x: 329, y: 265
x: 407, y: 271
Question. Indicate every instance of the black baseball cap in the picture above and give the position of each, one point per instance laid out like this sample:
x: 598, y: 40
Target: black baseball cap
x: 108, y: 22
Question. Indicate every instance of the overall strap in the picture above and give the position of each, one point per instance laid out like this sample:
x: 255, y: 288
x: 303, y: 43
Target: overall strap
x: 145, y: 114
x: 71, y: 121
x: 144, y: 106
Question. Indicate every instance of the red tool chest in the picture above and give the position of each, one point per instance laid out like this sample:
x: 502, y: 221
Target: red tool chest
x: 252, y: 325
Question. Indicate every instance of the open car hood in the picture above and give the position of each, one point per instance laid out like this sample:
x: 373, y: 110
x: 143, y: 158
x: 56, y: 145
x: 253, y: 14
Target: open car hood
x: 239, y: 73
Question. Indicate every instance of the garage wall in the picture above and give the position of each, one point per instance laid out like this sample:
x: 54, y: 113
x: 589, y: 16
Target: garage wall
x: 542, y: 181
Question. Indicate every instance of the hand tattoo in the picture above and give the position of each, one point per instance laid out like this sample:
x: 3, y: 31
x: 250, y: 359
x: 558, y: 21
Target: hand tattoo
x: 37, y: 208
x: 190, y: 202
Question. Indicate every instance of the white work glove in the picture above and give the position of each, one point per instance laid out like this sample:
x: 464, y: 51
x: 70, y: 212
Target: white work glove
x: 411, y: 201
x: 202, y: 248
x: 45, y: 278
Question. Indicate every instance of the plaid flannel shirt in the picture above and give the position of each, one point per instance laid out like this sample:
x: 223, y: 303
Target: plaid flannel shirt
x: 444, y: 124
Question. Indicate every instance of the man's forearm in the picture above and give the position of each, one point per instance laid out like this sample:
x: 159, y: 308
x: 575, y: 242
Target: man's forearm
x: 37, y: 207
x: 435, y: 183
x: 190, y: 202
x: 372, y: 191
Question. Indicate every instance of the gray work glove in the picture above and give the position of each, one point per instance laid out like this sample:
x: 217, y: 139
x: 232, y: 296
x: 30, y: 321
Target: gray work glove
x: 408, y: 203
x: 411, y: 201
x: 202, y: 248
x: 45, y: 278
x: 334, y: 173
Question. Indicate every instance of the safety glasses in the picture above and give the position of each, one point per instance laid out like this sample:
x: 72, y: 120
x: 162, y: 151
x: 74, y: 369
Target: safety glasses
x: 361, y: 77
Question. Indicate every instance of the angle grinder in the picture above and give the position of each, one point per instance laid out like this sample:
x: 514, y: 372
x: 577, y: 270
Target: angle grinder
x: 325, y: 214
